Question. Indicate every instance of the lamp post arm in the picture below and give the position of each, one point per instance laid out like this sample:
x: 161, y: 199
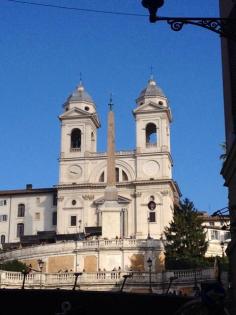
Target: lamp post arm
x: 76, y: 274
x: 225, y: 27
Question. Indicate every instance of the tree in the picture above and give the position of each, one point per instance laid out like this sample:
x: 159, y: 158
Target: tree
x: 185, y: 238
x: 13, y: 265
x: 224, y: 149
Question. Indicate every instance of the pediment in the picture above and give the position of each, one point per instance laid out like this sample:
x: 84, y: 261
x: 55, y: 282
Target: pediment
x: 149, y: 107
x: 75, y: 112
x: 121, y: 200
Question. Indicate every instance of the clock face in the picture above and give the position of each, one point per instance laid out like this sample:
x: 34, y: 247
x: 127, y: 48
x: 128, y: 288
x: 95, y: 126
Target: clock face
x: 75, y: 170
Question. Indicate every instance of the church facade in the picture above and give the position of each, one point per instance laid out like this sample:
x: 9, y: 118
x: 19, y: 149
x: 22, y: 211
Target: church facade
x: 142, y: 175
x: 124, y: 198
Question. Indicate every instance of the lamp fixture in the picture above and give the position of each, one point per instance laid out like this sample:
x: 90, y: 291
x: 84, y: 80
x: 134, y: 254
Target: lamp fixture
x: 225, y: 27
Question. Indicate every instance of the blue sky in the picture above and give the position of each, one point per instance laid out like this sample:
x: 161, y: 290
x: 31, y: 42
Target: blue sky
x: 43, y: 51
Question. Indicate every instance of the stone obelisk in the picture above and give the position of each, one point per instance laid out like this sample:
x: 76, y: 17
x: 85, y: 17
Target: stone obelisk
x: 111, y: 191
x: 110, y: 211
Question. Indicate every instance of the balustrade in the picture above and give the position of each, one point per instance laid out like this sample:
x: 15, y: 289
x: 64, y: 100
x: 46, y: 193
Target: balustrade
x: 66, y: 280
x: 70, y: 246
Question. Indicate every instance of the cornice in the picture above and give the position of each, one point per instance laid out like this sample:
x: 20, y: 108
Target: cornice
x: 103, y: 156
x: 27, y: 191
x: 130, y: 184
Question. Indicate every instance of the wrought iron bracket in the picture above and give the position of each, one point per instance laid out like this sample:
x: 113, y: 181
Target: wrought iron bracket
x: 225, y: 27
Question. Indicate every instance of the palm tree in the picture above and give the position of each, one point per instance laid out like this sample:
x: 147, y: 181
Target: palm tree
x: 223, y: 156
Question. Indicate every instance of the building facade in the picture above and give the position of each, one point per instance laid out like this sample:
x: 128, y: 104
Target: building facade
x: 111, y: 207
x: 142, y: 175
x: 26, y: 212
x: 217, y: 234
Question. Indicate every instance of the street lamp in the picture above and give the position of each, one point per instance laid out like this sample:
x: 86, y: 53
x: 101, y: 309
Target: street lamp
x: 149, y: 262
x: 25, y: 272
x: 125, y: 278
x: 226, y: 27
x: 76, y: 274
x: 40, y: 264
x: 170, y: 282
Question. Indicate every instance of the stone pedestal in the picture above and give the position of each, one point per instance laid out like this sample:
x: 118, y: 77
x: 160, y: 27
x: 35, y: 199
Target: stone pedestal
x: 111, y: 219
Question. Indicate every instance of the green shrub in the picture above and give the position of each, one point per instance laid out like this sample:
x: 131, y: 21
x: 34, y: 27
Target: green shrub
x: 13, y: 265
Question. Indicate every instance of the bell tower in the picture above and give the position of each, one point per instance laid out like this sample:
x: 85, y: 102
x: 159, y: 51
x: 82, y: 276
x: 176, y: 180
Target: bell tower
x: 153, y: 118
x: 79, y: 124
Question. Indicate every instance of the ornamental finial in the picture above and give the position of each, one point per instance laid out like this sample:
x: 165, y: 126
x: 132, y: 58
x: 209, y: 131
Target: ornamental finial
x: 110, y: 104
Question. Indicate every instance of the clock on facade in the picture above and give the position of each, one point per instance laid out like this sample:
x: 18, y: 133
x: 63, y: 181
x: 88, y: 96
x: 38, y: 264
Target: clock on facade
x: 75, y: 170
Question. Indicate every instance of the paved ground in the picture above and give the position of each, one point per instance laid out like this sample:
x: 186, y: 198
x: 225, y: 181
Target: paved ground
x: 64, y: 302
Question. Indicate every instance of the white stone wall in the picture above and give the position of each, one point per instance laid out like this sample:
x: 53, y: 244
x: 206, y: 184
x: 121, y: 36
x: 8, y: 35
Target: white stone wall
x: 38, y: 214
x: 148, y: 170
x: 217, y: 238
x: 4, y: 217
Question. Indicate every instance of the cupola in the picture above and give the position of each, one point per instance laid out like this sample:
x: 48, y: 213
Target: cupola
x: 81, y: 99
x: 152, y: 92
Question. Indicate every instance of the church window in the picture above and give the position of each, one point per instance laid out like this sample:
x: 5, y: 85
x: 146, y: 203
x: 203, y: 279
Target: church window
x: 215, y: 235
x: 124, y: 176
x: 102, y: 178
x: 76, y: 139
x: 121, y: 176
x: 3, y: 217
x: 160, y: 103
x: 54, y: 218
x: 73, y: 220
x: 73, y: 202
x: 3, y: 239
x: 151, y: 205
x: 117, y: 175
x: 227, y: 236
x: 151, y: 135
x: 3, y: 202
x: 37, y: 215
x: 152, y: 216
x: 54, y: 200
x: 92, y: 137
x: 21, y: 210
x: 20, y: 229
x: 86, y: 108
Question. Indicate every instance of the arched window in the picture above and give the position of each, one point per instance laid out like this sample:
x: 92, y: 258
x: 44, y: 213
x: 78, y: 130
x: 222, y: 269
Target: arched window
x: 21, y: 210
x: 93, y: 142
x: 117, y: 174
x: 121, y: 176
x: 102, y: 178
x: 20, y: 229
x: 151, y: 135
x: 76, y: 139
x: 3, y: 239
x: 124, y: 176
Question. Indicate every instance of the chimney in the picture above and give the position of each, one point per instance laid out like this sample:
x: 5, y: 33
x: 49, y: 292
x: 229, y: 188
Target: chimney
x: 29, y: 186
